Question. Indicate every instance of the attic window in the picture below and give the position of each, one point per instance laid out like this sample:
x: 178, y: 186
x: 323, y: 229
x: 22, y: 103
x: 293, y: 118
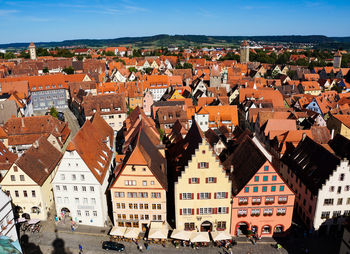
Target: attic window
x: 203, y: 151
x: 59, y: 85
x: 143, y: 169
x: 133, y: 168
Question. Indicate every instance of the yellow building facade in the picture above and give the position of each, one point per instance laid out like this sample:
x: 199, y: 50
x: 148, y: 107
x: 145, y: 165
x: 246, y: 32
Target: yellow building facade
x: 203, y: 193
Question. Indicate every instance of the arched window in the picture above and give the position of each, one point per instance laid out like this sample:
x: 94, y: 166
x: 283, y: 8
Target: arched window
x: 266, y: 229
x: 279, y: 229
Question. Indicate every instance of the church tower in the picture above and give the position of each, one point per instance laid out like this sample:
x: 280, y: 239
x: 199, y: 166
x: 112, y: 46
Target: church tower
x: 244, y: 51
x: 32, y: 51
x: 337, y: 60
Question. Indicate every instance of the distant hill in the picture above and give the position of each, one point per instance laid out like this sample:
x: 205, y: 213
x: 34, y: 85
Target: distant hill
x: 191, y: 40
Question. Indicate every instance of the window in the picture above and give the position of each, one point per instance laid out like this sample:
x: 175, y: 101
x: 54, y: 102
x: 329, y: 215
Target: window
x: 281, y: 211
x: 219, y: 195
x: 255, y: 212
x: 82, y: 177
x: 76, y: 200
x: 269, y: 200
x: 57, y: 187
x: 75, y: 188
x: 273, y: 188
x: 256, y: 200
x: 83, y: 188
x: 242, y: 201
x: 152, y: 182
x: 222, y: 210
x: 281, y: 188
x: 347, y: 188
x: 15, y: 168
x: 130, y: 182
x: 63, y: 177
x: 187, y: 211
x: 256, y: 179
x: 64, y: 187
x: 203, y: 195
x: 87, y: 213
x: 347, y: 213
x: 59, y: 200
x: 206, y: 210
x: 194, y: 180
x: 264, y: 188
x: 16, y: 194
x: 331, y: 188
x: 154, y: 206
x: 66, y: 200
x: 13, y: 178
x: 25, y: 194
x: 274, y: 178
x: 348, y: 201
x: 93, y: 201
x: 328, y: 201
x: 189, y: 226
x: 282, y: 199
x: 203, y: 165
x: 85, y: 201
x: 246, y: 189
x: 242, y: 212
x: 336, y: 214
x: 265, y: 178
x: 78, y: 212
x: 340, y: 201
x: 211, y: 180
x: 339, y: 190
x: 144, y: 183
x: 21, y: 177
x: 74, y: 177
x: 341, y: 177
x: 186, y: 195
x: 33, y: 194
x: 92, y: 188
x: 268, y: 211
x: 266, y: 230
x: 221, y: 225
x: 266, y: 168
x: 94, y: 213
x: 255, y: 189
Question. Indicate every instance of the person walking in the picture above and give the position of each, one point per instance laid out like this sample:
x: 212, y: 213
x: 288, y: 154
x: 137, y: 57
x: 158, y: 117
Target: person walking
x: 80, y: 248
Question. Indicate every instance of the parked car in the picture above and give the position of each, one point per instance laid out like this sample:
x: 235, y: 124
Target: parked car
x: 109, y: 245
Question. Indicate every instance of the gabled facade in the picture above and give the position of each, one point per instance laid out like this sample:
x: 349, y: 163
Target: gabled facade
x: 82, y: 177
x: 28, y: 181
x: 262, y: 201
x: 139, y: 188
x: 202, y: 188
x: 7, y: 221
x: 320, y: 181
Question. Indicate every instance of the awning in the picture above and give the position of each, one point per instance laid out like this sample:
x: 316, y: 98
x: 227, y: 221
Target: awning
x: 181, y: 234
x: 157, y: 233
x: 132, y: 232
x: 117, y: 231
x: 197, y: 237
x: 220, y: 235
x: 33, y: 221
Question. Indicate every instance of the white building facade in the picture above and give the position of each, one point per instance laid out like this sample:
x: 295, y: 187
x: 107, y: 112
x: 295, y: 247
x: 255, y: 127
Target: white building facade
x: 7, y: 223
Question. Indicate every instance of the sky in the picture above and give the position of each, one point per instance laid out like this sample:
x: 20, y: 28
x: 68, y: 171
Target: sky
x: 52, y: 20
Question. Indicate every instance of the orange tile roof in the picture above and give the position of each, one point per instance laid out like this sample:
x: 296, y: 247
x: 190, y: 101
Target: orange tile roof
x: 345, y: 119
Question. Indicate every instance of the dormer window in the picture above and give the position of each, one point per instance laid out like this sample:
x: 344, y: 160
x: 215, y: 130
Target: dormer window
x: 94, y: 110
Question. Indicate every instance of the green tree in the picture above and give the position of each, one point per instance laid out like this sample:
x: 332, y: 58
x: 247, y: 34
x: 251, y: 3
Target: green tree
x: 69, y: 70
x: 292, y: 74
x: 9, y: 55
x: 109, y: 53
x: 42, y: 52
x: 149, y: 70
x: 54, y: 112
x: 132, y: 69
x: 24, y: 54
x: 187, y: 66
x: 45, y: 70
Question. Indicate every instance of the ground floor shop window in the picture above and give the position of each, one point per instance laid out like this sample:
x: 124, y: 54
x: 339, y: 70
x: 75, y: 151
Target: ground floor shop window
x: 266, y: 230
x: 189, y: 226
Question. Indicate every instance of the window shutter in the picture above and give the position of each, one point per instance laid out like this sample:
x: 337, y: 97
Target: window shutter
x: 197, y: 210
x: 226, y: 209
x: 189, y: 180
x: 214, y: 195
x: 226, y: 194
x: 192, y: 211
x: 209, y: 195
x: 198, y: 180
x: 180, y: 196
x: 192, y: 196
x: 215, y: 210
x: 180, y: 211
x: 215, y: 179
x: 199, y: 165
x: 207, y: 164
x: 206, y: 180
x: 197, y: 195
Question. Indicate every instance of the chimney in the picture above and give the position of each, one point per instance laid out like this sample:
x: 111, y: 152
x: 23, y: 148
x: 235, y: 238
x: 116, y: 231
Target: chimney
x: 332, y: 134
x: 22, y: 121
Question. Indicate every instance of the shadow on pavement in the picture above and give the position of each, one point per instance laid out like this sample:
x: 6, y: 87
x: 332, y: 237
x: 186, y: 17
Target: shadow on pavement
x: 29, y: 248
x: 58, y: 247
